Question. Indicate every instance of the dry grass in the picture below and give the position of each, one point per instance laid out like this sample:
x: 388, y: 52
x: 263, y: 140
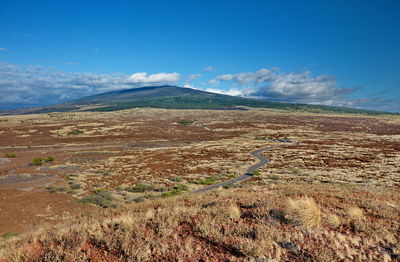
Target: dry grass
x: 333, y: 220
x: 236, y: 225
x: 355, y: 213
x: 342, y: 182
x: 305, y: 212
x: 232, y: 212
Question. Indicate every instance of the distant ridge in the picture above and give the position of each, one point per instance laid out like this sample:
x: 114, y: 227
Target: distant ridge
x: 174, y: 97
x: 148, y: 92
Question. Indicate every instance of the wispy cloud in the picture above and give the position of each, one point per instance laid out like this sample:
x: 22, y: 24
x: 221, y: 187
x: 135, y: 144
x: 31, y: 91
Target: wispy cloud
x: 192, y: 77
x: 208, y: 68
x: 3, y: 49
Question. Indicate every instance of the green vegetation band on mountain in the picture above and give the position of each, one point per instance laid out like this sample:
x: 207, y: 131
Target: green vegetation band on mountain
x: 195, y: 99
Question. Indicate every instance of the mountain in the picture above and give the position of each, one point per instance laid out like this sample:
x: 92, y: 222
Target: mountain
x: 174, y: 97
x: 148, y: 92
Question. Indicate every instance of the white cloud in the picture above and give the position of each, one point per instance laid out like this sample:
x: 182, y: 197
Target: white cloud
x: 193, y: 77
x: 213, y: 82
x: 3, y: 49
x: 142, y: 77
x: 189, y: 86
x: 37, y: 85
x: 225, y: 77
x: 247, y: 78
x: 302, y: 87
x: 208, y: 68
x: 299, y: 87
x: 230, y: 92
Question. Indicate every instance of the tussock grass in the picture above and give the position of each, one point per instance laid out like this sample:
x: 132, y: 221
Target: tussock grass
x: 222, y: 225
x: 232, y: 212
x: 333, y: 220
x: 355, y: 213
x: 305, y: 212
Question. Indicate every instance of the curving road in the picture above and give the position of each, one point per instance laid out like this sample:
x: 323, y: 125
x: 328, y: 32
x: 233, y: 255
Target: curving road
x: 249, y: 172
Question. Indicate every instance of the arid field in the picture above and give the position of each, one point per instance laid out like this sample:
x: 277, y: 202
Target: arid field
x: 116, y: 186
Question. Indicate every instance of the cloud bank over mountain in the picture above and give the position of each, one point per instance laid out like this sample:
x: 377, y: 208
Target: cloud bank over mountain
x: 37, y: 85
x: 26, y: 86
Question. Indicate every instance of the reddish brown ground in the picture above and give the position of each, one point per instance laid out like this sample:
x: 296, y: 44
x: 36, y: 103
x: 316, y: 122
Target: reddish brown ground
x: 24, y: 210
x: 120, y: 149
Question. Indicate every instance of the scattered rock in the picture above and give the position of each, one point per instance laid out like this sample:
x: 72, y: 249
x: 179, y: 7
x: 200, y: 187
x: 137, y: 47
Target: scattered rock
x: 289, y: 246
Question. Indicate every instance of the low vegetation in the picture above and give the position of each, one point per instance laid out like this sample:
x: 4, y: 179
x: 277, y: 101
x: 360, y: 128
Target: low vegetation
x: 175, y: 191
x: 75, y: 132
x: 52, y: 189
x: 206, y: 181
x: 100, y: 197
x: 305, y: 212
x: 222, y: 102
x: 48, y: 159
x: 37, y: 161
x: 141, y: 187
x: 10, y: 155
x: 263, y: 223
x: 185, y: 122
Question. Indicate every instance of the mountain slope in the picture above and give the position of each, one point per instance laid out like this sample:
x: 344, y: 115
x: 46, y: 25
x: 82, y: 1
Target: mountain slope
x: 148, y: 92
x: 173, y: 97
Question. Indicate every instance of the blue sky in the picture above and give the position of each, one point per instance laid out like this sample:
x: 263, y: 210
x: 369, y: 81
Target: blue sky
x: 322, y: 52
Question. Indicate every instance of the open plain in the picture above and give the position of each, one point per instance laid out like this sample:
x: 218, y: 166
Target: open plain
x: 61, y: 170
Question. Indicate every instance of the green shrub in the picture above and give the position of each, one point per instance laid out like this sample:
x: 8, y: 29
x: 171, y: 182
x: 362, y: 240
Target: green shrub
x: 100, y: 197
x: 232, y: 185
x: 296, y: 171
x: 48, y: 159
x: 141, y: 187
x: 10, y: 155
x: 9, y: 234
x: 37, y: 161
x: 182, y: 187
x: 175, y: 191
x: 52, y: 189
x: 75, y: 132
x: 256, y: 173
x: 185, y: 122
x: 75, y: 186
x: 176, y: 179
x: 206, y: 181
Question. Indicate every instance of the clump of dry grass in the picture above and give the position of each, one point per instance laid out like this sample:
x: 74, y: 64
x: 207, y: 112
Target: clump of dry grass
x: 305, y: 212
x: 355, y: 213
x: 333, y: 220
x: 232, y: 212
